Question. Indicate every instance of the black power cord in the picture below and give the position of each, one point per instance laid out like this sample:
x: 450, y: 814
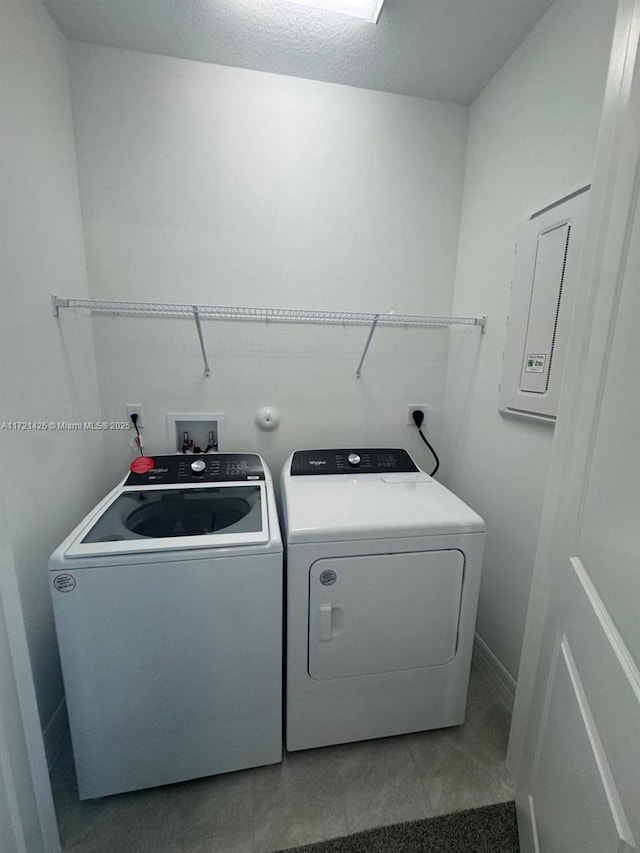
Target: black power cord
x: 418, y: 418
x: 134, y: 421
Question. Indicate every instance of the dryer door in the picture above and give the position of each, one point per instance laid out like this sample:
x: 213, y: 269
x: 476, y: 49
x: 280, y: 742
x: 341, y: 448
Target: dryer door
x: 383, y: 612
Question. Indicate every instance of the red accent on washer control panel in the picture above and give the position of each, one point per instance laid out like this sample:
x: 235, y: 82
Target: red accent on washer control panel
x: 142, y: 464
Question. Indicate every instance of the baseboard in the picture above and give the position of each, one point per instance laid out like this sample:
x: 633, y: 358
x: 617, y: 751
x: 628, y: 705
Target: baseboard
x: 501, y: 680
x: 56, y: 734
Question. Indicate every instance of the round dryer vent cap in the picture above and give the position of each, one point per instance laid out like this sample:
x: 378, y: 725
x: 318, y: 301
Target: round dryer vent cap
x: 267, y: 418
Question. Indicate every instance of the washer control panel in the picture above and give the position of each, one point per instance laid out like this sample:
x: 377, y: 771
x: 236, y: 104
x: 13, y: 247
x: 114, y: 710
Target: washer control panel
x: 207, y: 468
x: 376, y: 460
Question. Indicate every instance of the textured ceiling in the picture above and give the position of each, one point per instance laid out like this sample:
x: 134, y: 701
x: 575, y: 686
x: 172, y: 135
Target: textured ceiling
x: 442, y: 49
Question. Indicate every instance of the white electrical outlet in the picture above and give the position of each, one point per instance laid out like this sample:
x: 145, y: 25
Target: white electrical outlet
x: 411, y: 408
x: 135, y: 409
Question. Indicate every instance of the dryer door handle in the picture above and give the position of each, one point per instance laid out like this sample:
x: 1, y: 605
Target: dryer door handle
x: 324, y: 621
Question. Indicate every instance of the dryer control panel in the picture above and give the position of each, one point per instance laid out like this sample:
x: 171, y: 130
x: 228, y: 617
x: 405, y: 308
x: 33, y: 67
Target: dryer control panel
x: 201, y: 468
x: 370, y: 460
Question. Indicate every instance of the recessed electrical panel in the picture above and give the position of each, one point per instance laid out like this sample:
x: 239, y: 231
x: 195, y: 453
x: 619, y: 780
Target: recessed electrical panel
x: 194, y: 432
x: 545, y: 278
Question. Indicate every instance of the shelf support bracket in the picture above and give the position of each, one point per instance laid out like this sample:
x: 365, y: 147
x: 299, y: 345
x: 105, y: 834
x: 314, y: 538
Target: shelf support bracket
x: 367, y: 344
x: 57, y: 303
x: 196, y: 317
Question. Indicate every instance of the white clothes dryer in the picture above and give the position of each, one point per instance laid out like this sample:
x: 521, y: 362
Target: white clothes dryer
x: 168, y: 609
x: 383, y: 572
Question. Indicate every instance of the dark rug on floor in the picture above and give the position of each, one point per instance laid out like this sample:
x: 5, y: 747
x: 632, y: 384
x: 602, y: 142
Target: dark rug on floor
x: 490, y: 829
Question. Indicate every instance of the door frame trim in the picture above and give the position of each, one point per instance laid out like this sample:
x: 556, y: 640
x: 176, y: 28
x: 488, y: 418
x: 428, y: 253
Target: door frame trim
x: 35, y: 799
x: 602, y: 267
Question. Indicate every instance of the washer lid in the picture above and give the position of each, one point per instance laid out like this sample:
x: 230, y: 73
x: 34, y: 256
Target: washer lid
x: 166, y: 518
x: 372, y: 506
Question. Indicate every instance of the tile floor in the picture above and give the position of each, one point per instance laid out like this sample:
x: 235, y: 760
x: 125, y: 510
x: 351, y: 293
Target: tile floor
x: 311, y: 796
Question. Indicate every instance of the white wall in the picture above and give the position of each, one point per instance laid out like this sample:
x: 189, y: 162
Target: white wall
x: 47, y: 369
x: 221, y: 185
x: 532, y: 138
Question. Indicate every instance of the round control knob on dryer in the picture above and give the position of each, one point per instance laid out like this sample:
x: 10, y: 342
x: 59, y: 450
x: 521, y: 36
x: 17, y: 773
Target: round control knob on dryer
x: 353, y: 459
x: 198, y: 466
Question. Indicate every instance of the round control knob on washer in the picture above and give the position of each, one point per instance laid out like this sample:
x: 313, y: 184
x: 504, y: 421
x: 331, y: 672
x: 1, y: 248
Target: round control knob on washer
x: 198, y: 466
x: 353, y: 459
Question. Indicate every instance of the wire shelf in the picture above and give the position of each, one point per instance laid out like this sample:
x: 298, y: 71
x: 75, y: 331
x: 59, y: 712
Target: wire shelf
x: 280, y: 315
x: 269, y: 315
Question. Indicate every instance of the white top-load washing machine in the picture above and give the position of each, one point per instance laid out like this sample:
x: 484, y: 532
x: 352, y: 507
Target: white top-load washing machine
x: 383, y: 571
x: 168, y: 610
